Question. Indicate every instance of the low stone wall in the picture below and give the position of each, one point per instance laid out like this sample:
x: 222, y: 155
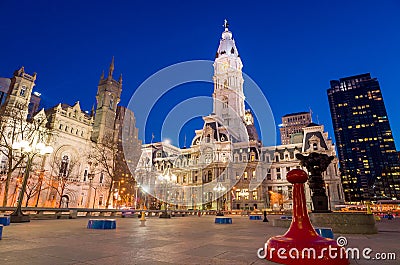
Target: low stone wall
x: 345, y: 223
x: 281, y: 223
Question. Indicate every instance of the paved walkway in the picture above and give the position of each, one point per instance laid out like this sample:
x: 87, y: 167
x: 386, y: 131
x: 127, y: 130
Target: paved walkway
x: 180, y: 240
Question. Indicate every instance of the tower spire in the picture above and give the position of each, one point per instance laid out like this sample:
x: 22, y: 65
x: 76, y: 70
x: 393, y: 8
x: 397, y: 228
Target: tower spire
x: 111, y: 70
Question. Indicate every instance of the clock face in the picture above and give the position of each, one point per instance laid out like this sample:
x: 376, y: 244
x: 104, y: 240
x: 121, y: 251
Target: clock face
x: 224, y: 66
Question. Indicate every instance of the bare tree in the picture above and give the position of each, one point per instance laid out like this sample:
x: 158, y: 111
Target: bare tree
x: 15, y: 127
x: 34, y: 186
x: 104, y: 154
x: 63, y: 172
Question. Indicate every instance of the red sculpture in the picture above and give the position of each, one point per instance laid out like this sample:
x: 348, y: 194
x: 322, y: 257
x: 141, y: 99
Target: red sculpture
x: 301, y: 245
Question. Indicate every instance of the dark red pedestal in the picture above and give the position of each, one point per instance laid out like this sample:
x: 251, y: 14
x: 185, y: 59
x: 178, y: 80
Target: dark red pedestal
x: 301, y: 241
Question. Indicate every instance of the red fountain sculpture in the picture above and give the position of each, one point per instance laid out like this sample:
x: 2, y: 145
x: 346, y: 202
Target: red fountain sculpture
x: 301, y: 245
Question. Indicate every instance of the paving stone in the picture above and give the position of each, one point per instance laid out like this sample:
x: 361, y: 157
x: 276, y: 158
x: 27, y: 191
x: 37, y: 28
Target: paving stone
x: 189, y: 240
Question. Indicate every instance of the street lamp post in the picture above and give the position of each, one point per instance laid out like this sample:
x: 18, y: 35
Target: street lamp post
x: 265, y: 206
x: 30, y: 151
x: 136, y: 194
x: 219, y: 188
x: 90, y: 177
x: 41, y: 176
x: 167, y: 177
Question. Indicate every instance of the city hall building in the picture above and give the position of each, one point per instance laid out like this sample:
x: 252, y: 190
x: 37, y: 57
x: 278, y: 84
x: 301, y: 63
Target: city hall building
x: 226, y: 166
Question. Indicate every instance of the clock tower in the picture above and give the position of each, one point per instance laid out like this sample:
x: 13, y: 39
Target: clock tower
x: 228, y: 97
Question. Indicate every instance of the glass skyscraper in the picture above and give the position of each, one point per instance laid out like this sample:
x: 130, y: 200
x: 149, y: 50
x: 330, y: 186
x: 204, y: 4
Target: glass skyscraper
x: 368, y: 159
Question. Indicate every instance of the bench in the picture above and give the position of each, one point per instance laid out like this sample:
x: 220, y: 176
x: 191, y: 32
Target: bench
x: 5, y: 220
x: 223, y: 220
x: 284, y: 217
x: 325, y: 232
x: 102, y: 224
x: 178, y: 214
x: 129, y: 213
x: 255, y: 217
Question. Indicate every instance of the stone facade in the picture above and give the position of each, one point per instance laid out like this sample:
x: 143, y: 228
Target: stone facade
x: 67, y: 176
x: 227, y: 153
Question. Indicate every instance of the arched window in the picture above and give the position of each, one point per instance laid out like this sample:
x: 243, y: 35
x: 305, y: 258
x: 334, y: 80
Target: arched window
x: 22, y: 91
x: 209, y: 176
x: 64, y: 166
x: 112, y: 102
x: 85, y: 174
x: 224, y: 102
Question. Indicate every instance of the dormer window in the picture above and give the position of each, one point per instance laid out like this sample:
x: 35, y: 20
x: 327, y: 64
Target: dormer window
x: 315, y: 146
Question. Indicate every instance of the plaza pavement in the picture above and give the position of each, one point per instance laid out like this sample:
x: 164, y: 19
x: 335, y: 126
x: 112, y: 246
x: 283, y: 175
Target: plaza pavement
x: 180, y: 240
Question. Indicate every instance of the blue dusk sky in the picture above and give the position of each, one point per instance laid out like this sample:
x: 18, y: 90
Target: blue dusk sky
x: 290, y: 49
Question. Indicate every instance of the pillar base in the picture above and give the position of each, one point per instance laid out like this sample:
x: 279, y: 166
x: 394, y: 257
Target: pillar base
x: 320, y: 204
x: 20, y: 218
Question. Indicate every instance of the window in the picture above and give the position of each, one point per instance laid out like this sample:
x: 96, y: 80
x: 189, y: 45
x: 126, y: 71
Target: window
x: 315, y: 146
x: 278, y: 173
x: 85, y: 175
x: 237, y: 194
x: 209, y: 175
x: 208, y: 138
x: 254, y: 195
x: 269, y: 174
x: 112, y: 103
x: 245, y: 175
x: 246, y: 194
x: 64, y: 166
x: 225, y: 103
x: 254, y: 174
x: 22, y: 91
x: 101, y: 177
